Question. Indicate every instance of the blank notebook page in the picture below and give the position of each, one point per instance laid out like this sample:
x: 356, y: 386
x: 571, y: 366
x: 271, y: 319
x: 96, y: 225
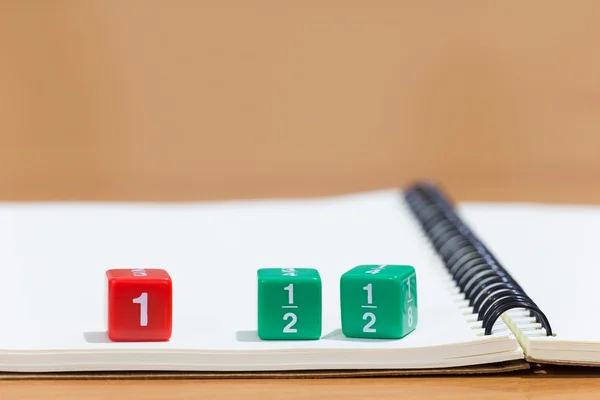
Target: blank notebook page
x: 53, y: 258
x: 553, y: 253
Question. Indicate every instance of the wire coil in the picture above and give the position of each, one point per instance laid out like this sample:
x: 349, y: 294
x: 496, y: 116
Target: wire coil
x: 490, y: 289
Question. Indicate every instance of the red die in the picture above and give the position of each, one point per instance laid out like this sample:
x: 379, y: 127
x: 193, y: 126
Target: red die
x: 139, y: 305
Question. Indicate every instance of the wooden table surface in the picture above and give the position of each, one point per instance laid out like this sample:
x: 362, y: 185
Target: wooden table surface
x: 552, y: 383
x: 182, y: 100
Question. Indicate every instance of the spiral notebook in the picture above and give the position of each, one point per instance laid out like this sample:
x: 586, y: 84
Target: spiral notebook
x: 524, y: 295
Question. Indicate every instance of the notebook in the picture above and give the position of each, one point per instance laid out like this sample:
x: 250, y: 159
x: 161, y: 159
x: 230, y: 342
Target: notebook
x: 54, y: 257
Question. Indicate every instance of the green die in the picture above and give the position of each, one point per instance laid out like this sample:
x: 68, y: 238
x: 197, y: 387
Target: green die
x: 379, y: 301
x: 289, y: 304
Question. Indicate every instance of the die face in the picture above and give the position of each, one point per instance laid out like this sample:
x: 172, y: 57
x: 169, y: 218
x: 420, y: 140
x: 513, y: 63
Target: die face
x: 139, y: 305
x: 409, y: 301
x: 381, y: 271
x: 371, y: 307
x: 137, y: 273
x: 375, y: 301
x: 289, y: 304
x: 283, y: 273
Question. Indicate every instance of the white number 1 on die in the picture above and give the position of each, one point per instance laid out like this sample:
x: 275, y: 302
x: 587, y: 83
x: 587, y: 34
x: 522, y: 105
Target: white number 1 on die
x: 290, y: 289
x: 143, y: 302
x: 369, y: 289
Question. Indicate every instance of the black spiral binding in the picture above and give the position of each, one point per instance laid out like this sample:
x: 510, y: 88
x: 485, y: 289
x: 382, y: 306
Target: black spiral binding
x: 485, y: 283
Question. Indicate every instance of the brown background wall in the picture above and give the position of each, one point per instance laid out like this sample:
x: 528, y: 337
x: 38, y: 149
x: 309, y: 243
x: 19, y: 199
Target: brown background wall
x: 186, y: 100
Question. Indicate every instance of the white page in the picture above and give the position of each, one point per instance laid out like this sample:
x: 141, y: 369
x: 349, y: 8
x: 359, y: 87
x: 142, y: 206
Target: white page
x: 553, y: 253
x: 53, y: 258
